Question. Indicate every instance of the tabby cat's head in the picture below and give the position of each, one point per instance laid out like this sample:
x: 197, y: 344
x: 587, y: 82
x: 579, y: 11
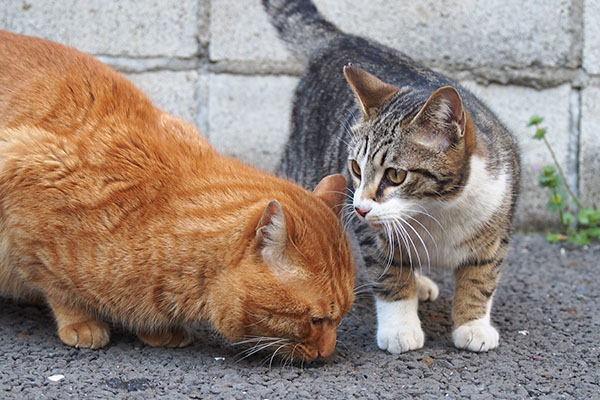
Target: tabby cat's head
x: 299, y: 276
x: 402, y: 161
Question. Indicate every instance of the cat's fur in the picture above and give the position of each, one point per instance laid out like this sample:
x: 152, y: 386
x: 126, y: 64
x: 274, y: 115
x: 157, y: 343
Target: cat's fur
x: 112, y: 210
x: 455, y: 168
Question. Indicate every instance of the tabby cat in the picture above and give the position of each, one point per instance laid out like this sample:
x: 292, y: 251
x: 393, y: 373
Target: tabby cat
x: 435, y: 174
x: 113, y: 211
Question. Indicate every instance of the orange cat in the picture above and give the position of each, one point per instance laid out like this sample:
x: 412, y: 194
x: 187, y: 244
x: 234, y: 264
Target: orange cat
x: 112, y: 210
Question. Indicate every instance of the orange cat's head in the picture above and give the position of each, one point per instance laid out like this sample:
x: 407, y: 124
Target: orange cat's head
x: 296, y: 281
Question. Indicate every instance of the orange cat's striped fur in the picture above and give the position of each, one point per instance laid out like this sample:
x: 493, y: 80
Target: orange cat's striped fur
x: 112, y: 210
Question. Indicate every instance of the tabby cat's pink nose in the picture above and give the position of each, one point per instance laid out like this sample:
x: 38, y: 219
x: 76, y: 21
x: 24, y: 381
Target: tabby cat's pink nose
x: 362, y: 211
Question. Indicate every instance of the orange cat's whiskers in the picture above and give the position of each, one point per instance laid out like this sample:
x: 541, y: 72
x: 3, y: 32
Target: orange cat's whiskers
x: 261, y: 345
x: 291, y: 355
x: 257, y: 339
x: 275, y: 353
x: 257, y: 322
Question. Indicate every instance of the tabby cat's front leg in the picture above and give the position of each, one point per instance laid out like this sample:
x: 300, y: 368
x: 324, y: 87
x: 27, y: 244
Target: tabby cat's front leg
x: 398, y: 325
x: 475, y: 287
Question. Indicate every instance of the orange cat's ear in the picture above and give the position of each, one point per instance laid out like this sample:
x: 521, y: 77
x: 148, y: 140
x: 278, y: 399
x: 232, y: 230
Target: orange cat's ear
x: 272, y: 237
x: 332, y: 190
x: 441, y: 121
x: 271, y: 230
x: 370, y: 91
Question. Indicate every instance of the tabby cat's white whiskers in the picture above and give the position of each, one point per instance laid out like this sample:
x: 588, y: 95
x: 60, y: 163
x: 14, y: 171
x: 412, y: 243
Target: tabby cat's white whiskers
x: 433, y: 240
x: 401, y: 234
x: 400, y: 227
x: 390, y: 248
x: 363, y: 288
x: 349, y: 216
x: 426, y: 213
x: 347, y: 123
x: 403, y: 221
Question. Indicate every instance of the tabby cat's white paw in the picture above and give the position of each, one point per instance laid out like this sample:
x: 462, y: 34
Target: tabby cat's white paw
x: 478, y: 335
x: 400, y: 339
x: 398, y: 326
x: 427, y: 290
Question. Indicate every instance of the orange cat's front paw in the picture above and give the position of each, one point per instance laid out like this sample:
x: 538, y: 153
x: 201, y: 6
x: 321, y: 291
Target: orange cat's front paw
x: 85, y: 335
x: 172, y: 338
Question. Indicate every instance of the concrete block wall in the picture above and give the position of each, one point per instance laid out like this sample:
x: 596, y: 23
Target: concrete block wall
x: 220, y: 65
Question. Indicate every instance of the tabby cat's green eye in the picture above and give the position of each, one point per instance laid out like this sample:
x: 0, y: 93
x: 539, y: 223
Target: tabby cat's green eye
x: 395, y: 176
x: 355, y: 168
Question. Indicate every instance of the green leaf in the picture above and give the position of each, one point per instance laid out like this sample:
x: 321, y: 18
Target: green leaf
x: 568, y: 218
x: 579, y: 238
x: 549, y: 170
x: 535, y: 120
x: 558, y: 201
x: 549, y: 178
x: 593, y: 232
x: 589, y: 216
x: 583, y: 217
x: 554, y: 207
x: 595, y: 215
x: 540, y: 133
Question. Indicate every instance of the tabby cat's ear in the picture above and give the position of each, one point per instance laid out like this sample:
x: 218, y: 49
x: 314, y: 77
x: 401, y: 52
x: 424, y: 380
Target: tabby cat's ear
x: 370, y: 91
x: 441, y: 121
x: 332, y: 190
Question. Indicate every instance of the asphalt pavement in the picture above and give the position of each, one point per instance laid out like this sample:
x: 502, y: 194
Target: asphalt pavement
x: 547, y: 310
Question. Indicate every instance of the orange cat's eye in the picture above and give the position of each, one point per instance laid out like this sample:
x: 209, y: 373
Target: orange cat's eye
x: 355, y: 168
x: 395, y: 176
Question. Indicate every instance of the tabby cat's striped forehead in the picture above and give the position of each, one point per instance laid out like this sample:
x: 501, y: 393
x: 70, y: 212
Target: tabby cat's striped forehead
x: 381, y: 140
x: 388, y: 128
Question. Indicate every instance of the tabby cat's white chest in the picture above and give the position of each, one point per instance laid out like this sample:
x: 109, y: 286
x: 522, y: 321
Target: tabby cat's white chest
x: 439, y: 238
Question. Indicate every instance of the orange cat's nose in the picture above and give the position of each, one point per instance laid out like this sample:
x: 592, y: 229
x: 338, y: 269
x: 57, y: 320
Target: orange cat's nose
x: 327, y: 341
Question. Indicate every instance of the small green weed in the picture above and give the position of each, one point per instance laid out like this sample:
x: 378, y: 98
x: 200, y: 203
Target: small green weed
x: 581, y: 229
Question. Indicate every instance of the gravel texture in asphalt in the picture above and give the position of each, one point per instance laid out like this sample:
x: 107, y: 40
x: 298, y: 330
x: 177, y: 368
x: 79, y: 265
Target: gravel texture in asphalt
x: 547, y: 310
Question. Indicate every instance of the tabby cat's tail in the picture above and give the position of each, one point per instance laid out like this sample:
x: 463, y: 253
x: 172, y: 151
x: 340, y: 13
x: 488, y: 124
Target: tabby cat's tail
x: 300, y: 25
